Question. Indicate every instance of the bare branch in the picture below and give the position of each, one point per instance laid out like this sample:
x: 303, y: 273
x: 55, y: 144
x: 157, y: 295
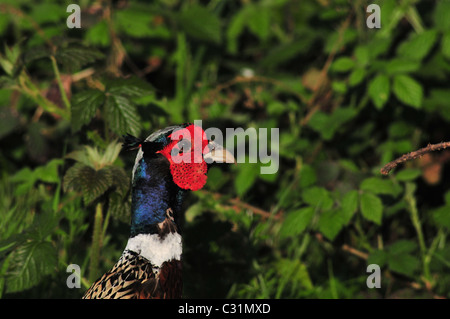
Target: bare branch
x: 413, y: 155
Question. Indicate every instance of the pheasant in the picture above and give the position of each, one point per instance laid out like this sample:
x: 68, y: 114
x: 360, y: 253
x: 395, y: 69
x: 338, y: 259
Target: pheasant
x: 169, y: 163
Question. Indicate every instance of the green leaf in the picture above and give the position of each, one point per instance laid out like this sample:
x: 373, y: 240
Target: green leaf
x: 343, y: 64
x: 259, y: 22
x: 408, y: 174
x: 84, y: 106
x: 400, y: 65
x: 296, y: 222
x: 131, y: 87
x: 441, y: 216
x: 418, y: 45
x: 121, y: 115
x: 317, y: 197
x: 327, y: 125
x: 402, y: 246
x: 362, y: 55
x: 200, y: 23
x: 445, y: 44
x: 248, y: 172
x: 29, y: 264
x: 49, y: 172
x: 349, y: 206
x: 98, y: 34
x: 441, y: 14
x: 9, y: 121
x: 408, y: 90
x: 331, y: 223
x: 371, y: 207
x: 379, y: 90
x: 357, y: 76
x: 379, y: 185
x: 378, y: 257
x: 136, y: 21
x: 90, y: 182
x: 404, y: 264
x: 73, y: 57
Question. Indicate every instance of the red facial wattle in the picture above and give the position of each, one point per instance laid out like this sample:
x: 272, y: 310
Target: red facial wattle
x: 188, y: 168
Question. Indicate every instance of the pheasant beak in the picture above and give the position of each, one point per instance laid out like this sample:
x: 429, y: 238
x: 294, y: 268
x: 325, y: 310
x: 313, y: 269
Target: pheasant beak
x: 218, y: 154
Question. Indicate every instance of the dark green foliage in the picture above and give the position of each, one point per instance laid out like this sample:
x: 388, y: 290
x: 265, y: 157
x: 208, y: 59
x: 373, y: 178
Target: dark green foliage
x: 346, y: 99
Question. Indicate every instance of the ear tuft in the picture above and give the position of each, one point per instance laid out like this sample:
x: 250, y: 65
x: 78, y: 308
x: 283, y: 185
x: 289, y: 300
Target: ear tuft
x: 131, y: 143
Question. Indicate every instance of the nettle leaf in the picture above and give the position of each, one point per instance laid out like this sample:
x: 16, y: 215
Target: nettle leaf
x: 408, y: 90
x: 132, y: 87
x: 73, y: 57
x: 371, y: 207
x: 84, y: 107
x: 28, y: 265
x: 121, y: 115
x: 90, y: 182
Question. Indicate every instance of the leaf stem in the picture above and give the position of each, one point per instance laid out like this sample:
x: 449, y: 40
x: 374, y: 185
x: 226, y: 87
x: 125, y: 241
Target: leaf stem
x: 60, y: 84
x: 414, y: 214
x: 96, y: 242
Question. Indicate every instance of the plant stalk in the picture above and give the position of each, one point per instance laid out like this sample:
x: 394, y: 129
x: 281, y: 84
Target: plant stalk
x: 97, y: 239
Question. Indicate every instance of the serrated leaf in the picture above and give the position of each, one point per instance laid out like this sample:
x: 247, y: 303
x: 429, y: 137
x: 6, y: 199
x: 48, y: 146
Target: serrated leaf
x: 371, y: 207
x: 408, y: 90
x: 379, y: 90
x: 121, y: 115
x: 84, y: 106
x: 90, y: 182
x: 130, y: 87
x: 29, y: 264
x: 73, y: 57
x: 200, y: 23
x: 418, y: 45
x: 296, y: 222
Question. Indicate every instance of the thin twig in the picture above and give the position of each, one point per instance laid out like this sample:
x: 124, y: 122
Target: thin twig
x: 413, y: 155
